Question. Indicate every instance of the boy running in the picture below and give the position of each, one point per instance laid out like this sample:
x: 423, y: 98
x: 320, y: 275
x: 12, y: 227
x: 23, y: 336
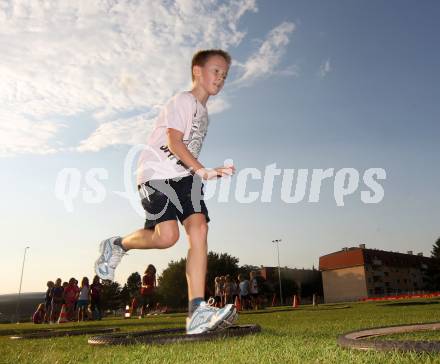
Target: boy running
x: 170, y: 185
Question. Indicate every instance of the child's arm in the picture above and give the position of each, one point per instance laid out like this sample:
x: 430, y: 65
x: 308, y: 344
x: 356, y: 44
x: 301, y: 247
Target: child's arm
x: 179, y: 149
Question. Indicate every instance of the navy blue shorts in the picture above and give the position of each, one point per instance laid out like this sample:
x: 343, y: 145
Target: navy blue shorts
x: 172, y: 199
x: 83, y: 303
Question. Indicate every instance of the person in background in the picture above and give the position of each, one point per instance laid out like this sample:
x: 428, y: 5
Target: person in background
x: 244, y: 291
x: 48, y: 301
x: 39, y: 314
x: 57, y: 300
x: 222, y: 290
x: 75, y: 306
x: 235, y: 289
x: 147, y: 289
x: 71, y: 293
x: 83, y: 300
x: 228, y: 288
x: 95, y: 298
x: 254, y: 291
x: 134, y: 306
x: 217, y: 292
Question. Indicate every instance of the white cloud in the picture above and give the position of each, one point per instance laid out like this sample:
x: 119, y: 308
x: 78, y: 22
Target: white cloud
x: 325, y: 68
x: 124, y: 131
x: 218, y: 104
x: 292, y: 70
x: 104, y: 60
x: 266, y: 59
x: 20, y: 135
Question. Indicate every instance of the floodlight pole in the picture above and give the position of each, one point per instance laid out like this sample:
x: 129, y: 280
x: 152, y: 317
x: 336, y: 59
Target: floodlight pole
x: 277, y: 241
x: 17, y: 310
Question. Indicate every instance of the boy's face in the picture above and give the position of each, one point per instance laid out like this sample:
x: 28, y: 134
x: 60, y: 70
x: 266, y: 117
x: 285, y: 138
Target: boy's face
x: 211, y: 77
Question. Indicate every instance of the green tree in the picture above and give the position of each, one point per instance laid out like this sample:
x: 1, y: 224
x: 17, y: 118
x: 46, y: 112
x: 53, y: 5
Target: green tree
x: 133, y: 284
x: 435, y: 252
x: 124, y: 296
x: 290, y: 287
x: 172, y: 286
x: 111, y: 295
x: 247, y: 269
x: 432, y: 277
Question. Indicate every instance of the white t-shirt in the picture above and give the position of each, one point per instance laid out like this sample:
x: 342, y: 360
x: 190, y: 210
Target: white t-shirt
x: 186, y: 114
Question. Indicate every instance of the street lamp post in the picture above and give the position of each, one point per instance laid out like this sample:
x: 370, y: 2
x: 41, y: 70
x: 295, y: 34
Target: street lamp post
x: 278, y: 241
x: 17, y: 311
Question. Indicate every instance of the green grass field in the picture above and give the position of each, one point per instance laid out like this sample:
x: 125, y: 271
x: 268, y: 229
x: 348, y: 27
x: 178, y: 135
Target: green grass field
x: 304, y: 335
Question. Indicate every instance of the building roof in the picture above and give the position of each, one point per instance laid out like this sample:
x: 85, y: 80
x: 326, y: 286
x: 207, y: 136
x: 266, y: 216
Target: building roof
x: 356, y: 256
x: 345, y: 258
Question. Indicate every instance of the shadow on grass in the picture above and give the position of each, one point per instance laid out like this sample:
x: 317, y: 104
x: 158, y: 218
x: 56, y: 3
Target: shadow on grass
x: 404, y: 304
x: 309, y: 309
x: 126, y: 324
x: 259, y: 312
x: 271, y: 332
x: 326, y: 307
x: 24, y: 331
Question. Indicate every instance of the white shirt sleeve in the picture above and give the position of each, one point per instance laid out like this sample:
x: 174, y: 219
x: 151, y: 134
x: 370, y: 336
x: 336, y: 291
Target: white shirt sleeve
x: 178, y: 112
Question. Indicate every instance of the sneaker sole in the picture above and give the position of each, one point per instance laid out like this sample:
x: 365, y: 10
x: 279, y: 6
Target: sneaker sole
x: 98, y: 261
x: 101, y: 247
x: 99, y: 274
x: 226, y: 321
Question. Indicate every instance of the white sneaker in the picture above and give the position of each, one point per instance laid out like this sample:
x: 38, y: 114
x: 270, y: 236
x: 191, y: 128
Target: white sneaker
x: 208, y: 318
x: 109, y: 259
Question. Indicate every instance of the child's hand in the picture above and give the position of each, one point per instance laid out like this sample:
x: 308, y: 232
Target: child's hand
x: 226, y: 170
x: 207, y: 174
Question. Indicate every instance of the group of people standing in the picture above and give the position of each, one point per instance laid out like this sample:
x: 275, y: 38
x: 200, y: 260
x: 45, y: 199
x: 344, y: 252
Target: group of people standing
x: 84, y: 302
x: 81, y: 302
x: 228, y: 289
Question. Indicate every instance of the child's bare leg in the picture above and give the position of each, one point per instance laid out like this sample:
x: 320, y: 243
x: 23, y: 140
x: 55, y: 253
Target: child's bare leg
x: 164, y: 235
x: 197, y: 231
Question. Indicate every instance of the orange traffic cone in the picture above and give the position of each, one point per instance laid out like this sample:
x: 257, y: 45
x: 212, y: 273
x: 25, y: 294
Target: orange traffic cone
x: 295, y: 301
x: 127, y: 313
x: 237, y: 303
x: 63, y: 315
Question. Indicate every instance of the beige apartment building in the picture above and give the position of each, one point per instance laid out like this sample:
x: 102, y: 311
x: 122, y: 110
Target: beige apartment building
x: 355, y: 273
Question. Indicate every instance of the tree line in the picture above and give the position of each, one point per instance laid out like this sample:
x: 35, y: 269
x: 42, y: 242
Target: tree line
x: 433, y: 273
x: 172, y: 288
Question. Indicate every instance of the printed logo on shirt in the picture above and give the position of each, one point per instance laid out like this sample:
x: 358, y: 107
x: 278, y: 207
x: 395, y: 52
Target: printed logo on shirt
x: 199, y: 129
x: 171, y: 156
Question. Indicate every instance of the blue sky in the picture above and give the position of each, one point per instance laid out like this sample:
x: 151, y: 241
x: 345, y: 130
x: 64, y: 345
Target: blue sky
x: 315, y: 84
